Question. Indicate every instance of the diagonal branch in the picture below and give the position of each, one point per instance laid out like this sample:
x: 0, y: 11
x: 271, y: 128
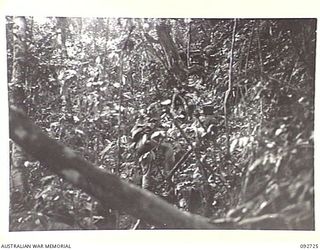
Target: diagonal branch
x: 106, y: 187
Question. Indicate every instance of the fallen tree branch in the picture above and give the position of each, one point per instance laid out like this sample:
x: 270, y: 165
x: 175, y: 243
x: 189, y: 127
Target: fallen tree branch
x: 106, y: 187
x: 266, y: 221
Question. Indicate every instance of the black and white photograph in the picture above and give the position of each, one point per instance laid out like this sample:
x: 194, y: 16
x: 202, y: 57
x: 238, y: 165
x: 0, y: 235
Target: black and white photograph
x: 158, y: 124
x: 161, y: 123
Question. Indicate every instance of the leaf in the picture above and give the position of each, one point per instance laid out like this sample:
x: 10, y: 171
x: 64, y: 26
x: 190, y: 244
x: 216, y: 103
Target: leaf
x: 124, y: 139
x: 256, y: 163
x: 98, y: 60
x: 143, y: 139
x: 278, y: 131
x: 78, y: 131
x: 181, y: 116
x: 70, y: 74
x: 45, y: 180
x: 243, y: 141
x: 116, y: 85
x: 196, y: 174
x: 88, y: 206
x: 54, y: 124
x: 57, y: 197
x: 278, y: 164
x: 44, y: 193
x: 135, y: 132
x: 166, y: 102
x: 210, y: 128
x: 75, y: 118
x: 98, y: 83
x: 233, y: 145
x: 158, y: 134
x: 60, y: 76
x: 201, y: 131
x: 270, y: 144
x: 106, y: 149
x: 127, y: 95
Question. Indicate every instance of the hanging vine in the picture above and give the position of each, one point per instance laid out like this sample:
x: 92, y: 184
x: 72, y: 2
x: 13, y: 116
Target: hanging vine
x: 230, y: 85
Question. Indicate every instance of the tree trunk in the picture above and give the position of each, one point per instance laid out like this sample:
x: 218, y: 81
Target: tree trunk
x: 62, y: 27
x: 17, y: 97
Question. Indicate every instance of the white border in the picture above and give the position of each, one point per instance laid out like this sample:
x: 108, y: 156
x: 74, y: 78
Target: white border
x: 185, y: 239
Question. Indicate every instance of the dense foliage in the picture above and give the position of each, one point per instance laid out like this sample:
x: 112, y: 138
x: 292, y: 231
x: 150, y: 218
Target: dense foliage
x: 213, y: 115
